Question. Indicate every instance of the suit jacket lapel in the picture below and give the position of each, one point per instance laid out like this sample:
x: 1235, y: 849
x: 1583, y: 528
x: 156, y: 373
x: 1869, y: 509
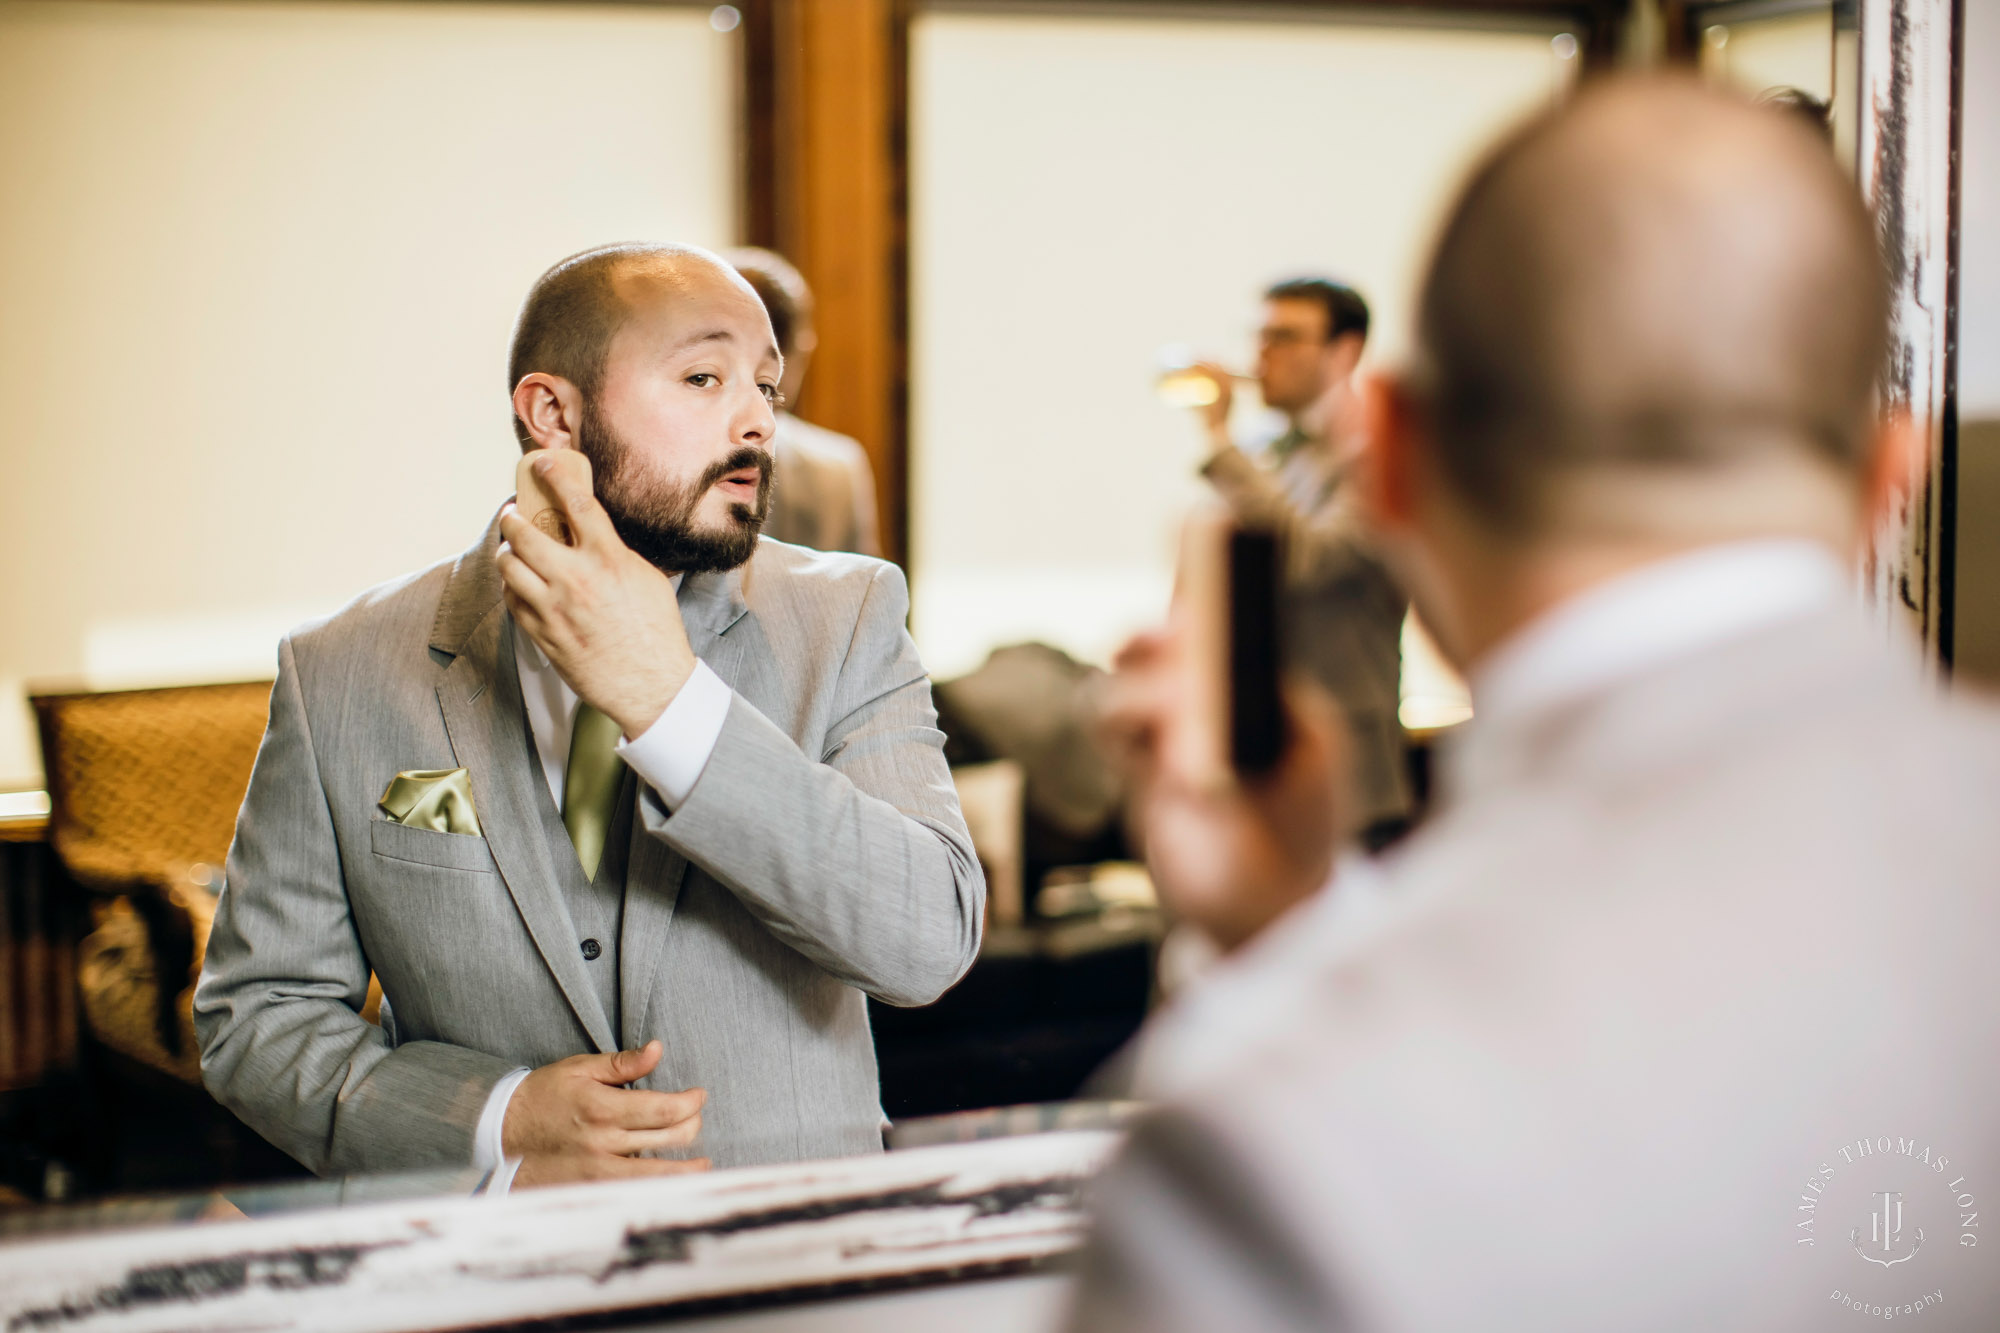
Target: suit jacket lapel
x: 483, y: 713
x: 710, y: 604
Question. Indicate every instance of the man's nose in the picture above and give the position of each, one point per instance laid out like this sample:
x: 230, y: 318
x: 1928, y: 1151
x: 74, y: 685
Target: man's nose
x: 757, y: 421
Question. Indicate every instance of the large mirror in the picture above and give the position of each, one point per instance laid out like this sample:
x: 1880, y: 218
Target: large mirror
x: 1048, y: 272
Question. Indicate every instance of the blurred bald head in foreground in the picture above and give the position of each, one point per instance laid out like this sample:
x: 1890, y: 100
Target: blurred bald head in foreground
x: 1653, y: 321
x: 1661, y: 1020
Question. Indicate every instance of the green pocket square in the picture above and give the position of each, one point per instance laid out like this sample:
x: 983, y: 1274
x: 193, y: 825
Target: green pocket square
x: 434, y: 798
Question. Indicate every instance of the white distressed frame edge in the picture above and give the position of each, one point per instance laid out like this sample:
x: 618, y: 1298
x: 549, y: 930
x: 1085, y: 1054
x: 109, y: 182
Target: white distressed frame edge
x: 457, y: 1263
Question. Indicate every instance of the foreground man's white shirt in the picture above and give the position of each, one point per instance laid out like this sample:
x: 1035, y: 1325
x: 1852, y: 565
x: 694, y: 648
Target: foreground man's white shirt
x: 668, y: 758
x: 1665, y: 610
x: 1669, y: 609
x: 1696, y: 909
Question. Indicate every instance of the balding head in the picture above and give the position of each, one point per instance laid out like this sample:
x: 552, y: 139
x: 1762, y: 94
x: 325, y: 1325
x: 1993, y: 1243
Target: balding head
x: 575, y: 309
x: 1655, y: 313
x: 657, y: 363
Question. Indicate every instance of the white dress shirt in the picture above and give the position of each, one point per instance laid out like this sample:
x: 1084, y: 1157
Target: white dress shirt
x: 1668, y: 609
x: 668, y: 758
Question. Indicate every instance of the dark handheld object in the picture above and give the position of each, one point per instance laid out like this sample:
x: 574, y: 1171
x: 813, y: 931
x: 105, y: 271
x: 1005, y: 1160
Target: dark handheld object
x: 1257, y: 730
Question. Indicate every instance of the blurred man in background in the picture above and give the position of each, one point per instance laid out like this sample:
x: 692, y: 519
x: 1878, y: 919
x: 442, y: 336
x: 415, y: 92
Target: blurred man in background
x: 1344, y: 613
x: 1675, y: 1019
x: 823, y: 489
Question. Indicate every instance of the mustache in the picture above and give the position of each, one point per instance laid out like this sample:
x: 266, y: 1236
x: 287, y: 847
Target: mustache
x: 748, y: 456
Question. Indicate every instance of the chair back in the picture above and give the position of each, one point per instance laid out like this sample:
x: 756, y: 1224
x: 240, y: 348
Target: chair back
x: 145, y: 783
x: 144, y: 786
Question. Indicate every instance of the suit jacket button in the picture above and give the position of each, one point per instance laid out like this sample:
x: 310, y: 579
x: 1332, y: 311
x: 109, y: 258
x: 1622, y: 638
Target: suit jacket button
x: 590, y: 951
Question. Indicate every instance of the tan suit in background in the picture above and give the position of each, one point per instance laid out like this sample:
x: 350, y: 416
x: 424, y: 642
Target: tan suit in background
x: 1343, y: 612
x: 823, y: 495
x: 1665, y: 951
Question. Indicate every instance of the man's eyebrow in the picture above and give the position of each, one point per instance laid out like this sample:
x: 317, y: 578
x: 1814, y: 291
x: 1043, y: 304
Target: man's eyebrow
x: 771, y: 352
x: 708, y: 336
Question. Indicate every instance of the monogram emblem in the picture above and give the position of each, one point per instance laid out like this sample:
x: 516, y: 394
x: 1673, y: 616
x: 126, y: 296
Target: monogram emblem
x: 1885, y: 1232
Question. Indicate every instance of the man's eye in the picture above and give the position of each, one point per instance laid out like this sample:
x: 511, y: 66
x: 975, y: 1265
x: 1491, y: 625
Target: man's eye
x: 701, y: 379
x: 772, y: 396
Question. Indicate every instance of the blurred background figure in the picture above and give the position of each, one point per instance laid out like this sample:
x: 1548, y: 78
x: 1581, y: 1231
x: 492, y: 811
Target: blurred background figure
x: 1344, y: 612
x: 823, y: 492
x: 1709, y: 862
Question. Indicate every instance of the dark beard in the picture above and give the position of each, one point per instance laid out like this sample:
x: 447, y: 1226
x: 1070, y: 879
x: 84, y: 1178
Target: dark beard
x: 660, y: 526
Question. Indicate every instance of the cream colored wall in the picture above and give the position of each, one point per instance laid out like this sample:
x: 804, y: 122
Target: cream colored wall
x: 1086, y: 189
x: 260, y: 264
x: 1788, y: 51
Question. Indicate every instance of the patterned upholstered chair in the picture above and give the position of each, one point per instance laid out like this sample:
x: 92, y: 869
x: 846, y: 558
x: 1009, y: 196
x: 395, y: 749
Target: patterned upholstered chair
x: 144, y: 786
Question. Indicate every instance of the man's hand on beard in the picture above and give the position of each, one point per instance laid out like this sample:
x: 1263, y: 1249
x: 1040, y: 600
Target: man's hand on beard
x: 606, y: 619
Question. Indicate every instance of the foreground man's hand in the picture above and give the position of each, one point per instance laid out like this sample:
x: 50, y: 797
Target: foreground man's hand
x: 606, y: 619
x: 1229, y: 858
x: 574, y: 1120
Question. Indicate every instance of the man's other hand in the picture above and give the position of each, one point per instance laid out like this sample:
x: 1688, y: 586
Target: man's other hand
x: 1230, y: 858
x: 575, y: 1120
x: 606, y: 619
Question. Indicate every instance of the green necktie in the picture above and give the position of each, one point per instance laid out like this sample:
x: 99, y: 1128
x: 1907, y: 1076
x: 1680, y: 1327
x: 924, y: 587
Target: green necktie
x: 1287, y: 444
x: 590, y: 785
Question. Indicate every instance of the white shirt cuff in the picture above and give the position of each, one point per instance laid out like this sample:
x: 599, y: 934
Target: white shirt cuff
x: 488, y: 1155
x: 671, y: 754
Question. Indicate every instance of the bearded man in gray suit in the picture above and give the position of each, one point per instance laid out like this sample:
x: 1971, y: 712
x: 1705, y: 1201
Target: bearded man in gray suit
x: 1677, y: 1014
x: 625, y: 827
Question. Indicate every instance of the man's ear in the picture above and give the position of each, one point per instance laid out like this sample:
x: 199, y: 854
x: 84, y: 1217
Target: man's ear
x: 551, y: 408
x: 1901, y: 445
x: 1392, y: 433
x: 1345, y: 354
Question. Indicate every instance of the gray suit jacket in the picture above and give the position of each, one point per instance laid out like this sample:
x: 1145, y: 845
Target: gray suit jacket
x: 821, y: 855
x: 1667, y: 957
